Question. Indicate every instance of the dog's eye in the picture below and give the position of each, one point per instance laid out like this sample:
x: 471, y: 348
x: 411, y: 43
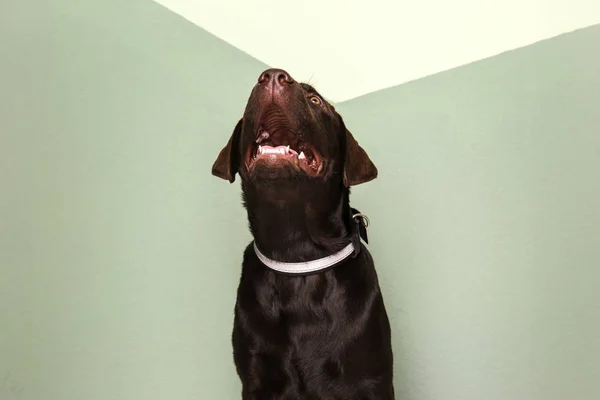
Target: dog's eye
x: 316, y: 100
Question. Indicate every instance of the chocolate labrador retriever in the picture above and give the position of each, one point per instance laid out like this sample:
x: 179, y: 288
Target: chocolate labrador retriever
x: 310, y: 321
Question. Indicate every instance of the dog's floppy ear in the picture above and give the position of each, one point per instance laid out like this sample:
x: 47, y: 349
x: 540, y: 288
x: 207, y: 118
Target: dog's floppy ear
x: 358, y: 167
x: 228, y: 161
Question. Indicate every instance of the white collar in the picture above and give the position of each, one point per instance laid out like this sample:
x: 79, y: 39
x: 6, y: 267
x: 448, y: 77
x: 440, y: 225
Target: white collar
x: 307, y: 266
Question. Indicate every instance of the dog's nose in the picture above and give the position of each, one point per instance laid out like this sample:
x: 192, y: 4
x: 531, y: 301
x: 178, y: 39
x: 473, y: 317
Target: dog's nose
x: 277, y: 76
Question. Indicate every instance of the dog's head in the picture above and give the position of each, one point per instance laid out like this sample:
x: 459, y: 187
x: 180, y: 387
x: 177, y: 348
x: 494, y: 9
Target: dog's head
x: 290, y: 133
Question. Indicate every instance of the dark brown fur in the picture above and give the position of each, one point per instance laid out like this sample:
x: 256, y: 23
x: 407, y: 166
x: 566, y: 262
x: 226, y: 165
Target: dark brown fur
x: 320, y: 336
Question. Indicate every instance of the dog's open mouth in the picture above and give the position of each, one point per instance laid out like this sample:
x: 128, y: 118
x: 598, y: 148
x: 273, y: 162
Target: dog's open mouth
x: 283, y: 147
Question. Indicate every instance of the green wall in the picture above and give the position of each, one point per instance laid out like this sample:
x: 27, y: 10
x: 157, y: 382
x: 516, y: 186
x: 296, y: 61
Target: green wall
x: 486, y: 223
x: 116, y: 282
x: 119, y: 252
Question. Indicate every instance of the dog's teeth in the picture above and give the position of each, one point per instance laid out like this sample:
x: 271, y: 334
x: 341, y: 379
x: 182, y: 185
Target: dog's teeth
x: 260, y: 150
x: 287, y: 149
x: 301, y: 156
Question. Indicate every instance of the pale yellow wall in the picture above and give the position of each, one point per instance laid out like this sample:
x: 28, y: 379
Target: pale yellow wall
x: 351, y: 48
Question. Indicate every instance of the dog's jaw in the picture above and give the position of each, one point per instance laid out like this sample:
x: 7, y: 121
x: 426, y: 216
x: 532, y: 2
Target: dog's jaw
x: 285, y: 148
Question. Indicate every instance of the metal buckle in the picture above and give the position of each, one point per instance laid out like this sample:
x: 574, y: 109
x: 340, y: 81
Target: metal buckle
x: 364, y: 218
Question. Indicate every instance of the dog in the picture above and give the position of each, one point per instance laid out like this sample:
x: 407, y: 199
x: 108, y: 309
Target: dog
x: 309, y: 319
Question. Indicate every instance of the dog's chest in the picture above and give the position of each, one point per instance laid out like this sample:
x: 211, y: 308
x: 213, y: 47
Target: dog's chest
x: 287, y: 309
x: 292, y: 298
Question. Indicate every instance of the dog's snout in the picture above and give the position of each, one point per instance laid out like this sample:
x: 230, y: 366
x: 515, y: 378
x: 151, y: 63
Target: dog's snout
x: 275, y: 76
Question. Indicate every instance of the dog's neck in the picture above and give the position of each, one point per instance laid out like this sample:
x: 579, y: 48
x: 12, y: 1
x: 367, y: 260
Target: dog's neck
x: 295, y: 225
